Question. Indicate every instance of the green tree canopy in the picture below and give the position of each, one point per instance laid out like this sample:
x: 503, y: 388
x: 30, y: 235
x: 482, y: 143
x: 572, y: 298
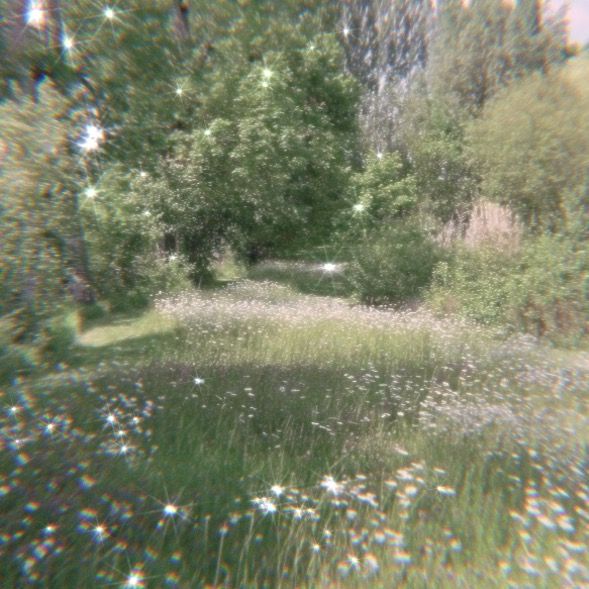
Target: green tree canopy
x: 267, y: 170
x: 531, y: 144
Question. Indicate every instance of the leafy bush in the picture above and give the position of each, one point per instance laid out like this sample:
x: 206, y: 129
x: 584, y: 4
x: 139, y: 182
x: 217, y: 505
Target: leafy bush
x: 385, y: 188
x: 163, y: 274
x: 125, y: 238
x: 93, y: 312
x: 549, y: 293
x: 52, y: 344
x: 394, y: 265
x: 541, y: 289
x: 474, y: 283
x: 267, y: 168
x: 120, y: 229
x: 433, y: 134
x: 154, y: 274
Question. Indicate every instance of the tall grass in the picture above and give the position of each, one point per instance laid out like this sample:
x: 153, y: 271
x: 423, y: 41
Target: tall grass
x: 256, y: 437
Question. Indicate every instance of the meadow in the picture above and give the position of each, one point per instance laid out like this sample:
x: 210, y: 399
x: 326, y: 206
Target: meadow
x: 259, y: 436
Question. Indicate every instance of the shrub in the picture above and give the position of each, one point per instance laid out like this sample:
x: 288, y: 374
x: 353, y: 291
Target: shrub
x: 120, y: 230
x: 550, y: 289
x: 541, y: 289
x: 386, y: 187
x: 93, y: 312
x: 393, y: 265
x: 473, y: 283
x: 167, y: 274
x: 154, y: 273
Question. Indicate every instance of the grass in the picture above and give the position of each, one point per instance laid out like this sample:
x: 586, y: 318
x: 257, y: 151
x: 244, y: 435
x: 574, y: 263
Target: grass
x: 323, y: 277
x: 257, y: 436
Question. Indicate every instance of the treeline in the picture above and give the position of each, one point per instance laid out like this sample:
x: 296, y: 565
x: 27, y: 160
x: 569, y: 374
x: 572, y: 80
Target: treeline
x: 443, y: 150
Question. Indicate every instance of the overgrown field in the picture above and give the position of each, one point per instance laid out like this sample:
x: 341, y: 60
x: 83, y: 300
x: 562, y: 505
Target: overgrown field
x: 256, y: 437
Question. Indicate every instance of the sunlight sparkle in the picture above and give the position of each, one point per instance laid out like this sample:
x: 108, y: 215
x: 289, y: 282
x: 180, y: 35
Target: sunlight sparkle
x: 68, y: 43
x: 35, y: 15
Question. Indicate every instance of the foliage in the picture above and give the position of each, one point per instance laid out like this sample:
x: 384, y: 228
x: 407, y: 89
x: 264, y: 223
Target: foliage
x: 529, y: 148
x: 58, y: 336
x: 432, y: 135
x: 237, y: 126
x: 37, y: 213
x: 541, y: 289
x: 15, y: 359
x: 253, y: 435
x: 159, y: 274
x: 189, y: 196
x: 474, y: 283
x: 386, y: 189
x: 549, y: 290
x: 380, y: 39
x: 478, y: 48
x: 531, y: 145
x: 393, y: 265
x: 119, y: 229
x: 386, y: 46
x: 132, y: 64
x: 92, y: 312
x: 267, y: 171
x: 124, y: 237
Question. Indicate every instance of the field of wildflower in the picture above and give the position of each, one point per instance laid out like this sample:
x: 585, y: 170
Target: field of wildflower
x: 254, y: 436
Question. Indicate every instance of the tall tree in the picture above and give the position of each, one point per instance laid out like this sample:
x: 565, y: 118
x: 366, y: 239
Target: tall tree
x: 537, y: 39
x: 469, y: 53
x: 478, y: 48
x: 386, y: 45
x: 41, y: 232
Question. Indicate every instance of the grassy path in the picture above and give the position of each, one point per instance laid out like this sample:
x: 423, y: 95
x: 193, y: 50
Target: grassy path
x: 257, y: 437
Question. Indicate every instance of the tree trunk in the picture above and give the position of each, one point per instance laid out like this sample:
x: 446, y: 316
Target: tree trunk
x: 16, y: 36
x: 56, y: 26
x: 82, y: 287
x: 182, y: 22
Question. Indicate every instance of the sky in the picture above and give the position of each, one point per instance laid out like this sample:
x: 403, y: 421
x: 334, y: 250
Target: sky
x: 578, y: 19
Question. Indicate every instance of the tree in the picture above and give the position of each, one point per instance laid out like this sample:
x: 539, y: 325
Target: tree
x: 386, y: 45
x: 268, y: 168
x: 41, y: 232
x: 536, y: 40
x: 531, y: 145
x: 479, y: 48
x: 385, y: 190
x: 431, y: 133
x: 469, y: 55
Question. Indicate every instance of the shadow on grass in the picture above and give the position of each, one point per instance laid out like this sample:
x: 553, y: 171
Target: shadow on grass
x: 136, y: 350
